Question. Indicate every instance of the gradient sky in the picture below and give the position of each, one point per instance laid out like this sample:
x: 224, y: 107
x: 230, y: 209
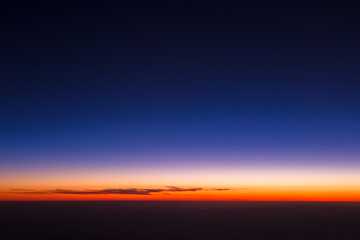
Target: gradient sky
x: 249, y: 100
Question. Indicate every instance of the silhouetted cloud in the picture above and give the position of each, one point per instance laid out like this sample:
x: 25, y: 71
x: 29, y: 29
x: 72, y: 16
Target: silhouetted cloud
x: 132, y: 191
x: 221, y: 189
x: 109, y: 191
x: 177, y: 189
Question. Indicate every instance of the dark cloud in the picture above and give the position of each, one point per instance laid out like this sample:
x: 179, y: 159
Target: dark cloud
x: 177, y: 189
x: 133, y: 191
x: 221, y: 189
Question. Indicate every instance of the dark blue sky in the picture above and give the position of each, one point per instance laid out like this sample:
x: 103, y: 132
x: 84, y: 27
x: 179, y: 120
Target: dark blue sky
x: 88, y: 81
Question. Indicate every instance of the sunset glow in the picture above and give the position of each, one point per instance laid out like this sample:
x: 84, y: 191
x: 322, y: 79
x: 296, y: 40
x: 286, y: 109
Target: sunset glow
x: 235, y: 184
x: 200, y: 102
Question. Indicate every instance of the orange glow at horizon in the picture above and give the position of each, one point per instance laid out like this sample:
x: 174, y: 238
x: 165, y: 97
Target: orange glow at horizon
x: 256, y: 194
x: 241, y: 185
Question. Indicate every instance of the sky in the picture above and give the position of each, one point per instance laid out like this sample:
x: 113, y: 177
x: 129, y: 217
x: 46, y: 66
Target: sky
x: 175, y: 100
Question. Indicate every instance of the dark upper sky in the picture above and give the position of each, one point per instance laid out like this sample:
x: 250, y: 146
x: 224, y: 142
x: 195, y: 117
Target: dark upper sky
x: 138, y: 77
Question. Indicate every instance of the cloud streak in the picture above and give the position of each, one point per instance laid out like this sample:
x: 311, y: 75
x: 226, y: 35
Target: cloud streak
x: 121, y: 191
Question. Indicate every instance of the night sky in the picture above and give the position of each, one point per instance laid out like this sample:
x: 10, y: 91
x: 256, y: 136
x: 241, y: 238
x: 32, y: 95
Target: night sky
x: 229, y: 100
